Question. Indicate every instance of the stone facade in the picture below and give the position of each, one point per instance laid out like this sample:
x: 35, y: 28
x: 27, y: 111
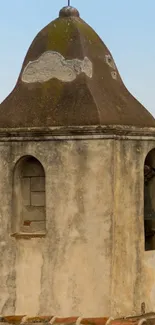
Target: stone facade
x: 91, y: 259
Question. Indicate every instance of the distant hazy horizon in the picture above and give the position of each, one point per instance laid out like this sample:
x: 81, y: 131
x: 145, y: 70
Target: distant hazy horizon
x: 126, y: 27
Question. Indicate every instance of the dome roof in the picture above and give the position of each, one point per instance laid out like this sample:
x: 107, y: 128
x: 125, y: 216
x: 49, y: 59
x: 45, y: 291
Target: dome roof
x: 69, y: 78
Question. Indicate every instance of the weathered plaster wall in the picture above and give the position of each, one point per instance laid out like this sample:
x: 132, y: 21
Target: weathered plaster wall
x: 7, y: 246
x: 68, y: 272
x: 128, y: 229
x: 29, y: 263
x: 132, y: 279
x: 92, y: 261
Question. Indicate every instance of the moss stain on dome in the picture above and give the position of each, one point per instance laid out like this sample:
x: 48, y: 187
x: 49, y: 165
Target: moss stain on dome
x: 60, y: 35
x: 84, y: 101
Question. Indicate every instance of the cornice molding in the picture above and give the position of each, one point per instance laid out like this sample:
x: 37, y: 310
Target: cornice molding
x: 76, y: 132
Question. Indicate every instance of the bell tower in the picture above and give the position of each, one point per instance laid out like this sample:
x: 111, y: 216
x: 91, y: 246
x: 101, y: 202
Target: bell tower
x: 77, y: 165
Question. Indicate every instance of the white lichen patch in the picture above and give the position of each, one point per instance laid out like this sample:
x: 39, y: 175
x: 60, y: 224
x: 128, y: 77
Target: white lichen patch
x: 53, y: 65
x: 109, y: 60
x: 114, y: 75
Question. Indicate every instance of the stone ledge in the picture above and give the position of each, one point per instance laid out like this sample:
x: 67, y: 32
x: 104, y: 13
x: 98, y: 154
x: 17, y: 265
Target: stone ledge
x: 26, y: 235
x: 74, y: 132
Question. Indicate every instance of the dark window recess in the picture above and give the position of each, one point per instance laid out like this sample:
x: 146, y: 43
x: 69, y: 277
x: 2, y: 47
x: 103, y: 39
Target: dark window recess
x: 149, y: 200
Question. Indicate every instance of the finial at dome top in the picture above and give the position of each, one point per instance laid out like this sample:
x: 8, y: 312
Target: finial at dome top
x: 69, y: 11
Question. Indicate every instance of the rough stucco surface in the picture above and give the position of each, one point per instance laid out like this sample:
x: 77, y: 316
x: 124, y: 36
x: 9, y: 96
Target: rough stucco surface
x: 133, y: 281
x: 127, y: 279
x: 53, y: 65
x: 92, y: 260
x: 60, y: 274
x: 29, y: 261
x: 7, y: 246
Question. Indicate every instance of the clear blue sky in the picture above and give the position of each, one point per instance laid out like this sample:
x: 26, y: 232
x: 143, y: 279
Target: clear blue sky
x: 126, y: 26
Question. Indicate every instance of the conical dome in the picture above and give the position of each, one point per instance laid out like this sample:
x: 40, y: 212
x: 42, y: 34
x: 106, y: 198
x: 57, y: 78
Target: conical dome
x: 69, y: 78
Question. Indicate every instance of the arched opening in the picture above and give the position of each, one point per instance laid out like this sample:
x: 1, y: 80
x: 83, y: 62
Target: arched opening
x: 29, y: 211
x: 149, y: 200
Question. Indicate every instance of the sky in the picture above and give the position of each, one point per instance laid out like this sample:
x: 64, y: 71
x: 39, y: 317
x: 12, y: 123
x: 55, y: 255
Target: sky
x: 127, y: 27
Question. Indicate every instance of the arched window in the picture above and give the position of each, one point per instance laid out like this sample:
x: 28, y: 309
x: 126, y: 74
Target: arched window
x: 149, y: 200
x: 29, y: 213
